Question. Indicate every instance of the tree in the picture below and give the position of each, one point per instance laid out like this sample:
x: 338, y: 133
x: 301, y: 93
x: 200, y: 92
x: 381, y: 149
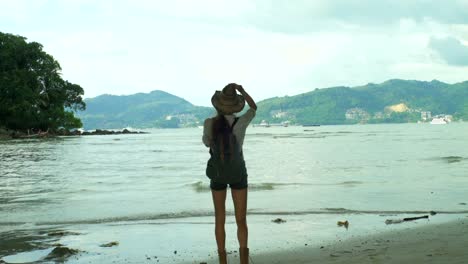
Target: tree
x: 32, y: 91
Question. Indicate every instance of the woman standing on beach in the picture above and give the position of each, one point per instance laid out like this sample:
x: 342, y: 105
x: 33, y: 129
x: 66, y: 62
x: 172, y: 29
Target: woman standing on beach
x: 224, y: 135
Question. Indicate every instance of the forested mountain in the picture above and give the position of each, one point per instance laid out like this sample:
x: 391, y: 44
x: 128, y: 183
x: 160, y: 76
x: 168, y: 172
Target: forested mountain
x: 393, y: 101
x: 141, y: 110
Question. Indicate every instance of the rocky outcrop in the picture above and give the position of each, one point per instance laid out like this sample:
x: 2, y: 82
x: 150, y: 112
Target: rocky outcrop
x: 111, y: 132
x: 60, y: 254
x: 64, y: 132
x: 10, y: 134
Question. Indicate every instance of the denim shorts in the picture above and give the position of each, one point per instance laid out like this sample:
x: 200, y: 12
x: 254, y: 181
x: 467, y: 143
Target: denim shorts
x: 222, y: 186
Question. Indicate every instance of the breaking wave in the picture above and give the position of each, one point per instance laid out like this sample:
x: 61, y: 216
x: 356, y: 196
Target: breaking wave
x: 200, y: 214
x: 268, y: 186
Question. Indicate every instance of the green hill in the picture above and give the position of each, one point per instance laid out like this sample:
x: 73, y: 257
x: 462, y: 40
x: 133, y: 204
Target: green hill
x: 394, y: 101
x: 371, y: 103
x: 141, y: 110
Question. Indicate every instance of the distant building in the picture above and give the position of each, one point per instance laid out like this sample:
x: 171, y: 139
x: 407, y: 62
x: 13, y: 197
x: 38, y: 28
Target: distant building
x: 183, y: 119
x: 279, y: 114
x: 379, y: 115
x: 426, y: 115
x: 186, y: 119
x: 357, y: 114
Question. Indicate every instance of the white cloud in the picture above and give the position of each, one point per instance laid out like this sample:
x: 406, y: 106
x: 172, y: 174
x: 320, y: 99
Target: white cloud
x: 451, y: 50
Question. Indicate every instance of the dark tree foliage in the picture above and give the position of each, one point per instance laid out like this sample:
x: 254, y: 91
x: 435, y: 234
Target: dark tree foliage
x: 33, y: 95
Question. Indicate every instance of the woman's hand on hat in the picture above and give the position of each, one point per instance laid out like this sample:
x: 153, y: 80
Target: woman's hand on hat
x: 247, y: 97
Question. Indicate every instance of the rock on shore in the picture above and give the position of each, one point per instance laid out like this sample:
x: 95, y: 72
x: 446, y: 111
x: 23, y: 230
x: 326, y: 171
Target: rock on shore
x: 10, y: 134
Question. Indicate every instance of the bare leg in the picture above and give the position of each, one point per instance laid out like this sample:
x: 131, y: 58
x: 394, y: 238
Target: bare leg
x: 219, y: 201
x: 239, y: 197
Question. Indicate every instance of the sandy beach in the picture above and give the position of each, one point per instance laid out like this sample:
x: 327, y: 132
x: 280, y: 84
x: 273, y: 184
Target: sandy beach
x: 422, y: 241
x: 433, y: 243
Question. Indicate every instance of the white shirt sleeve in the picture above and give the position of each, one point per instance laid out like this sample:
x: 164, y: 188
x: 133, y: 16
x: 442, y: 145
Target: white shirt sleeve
x: 246, y: 118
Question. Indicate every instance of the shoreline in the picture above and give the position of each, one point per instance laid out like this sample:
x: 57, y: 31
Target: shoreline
x: 6, y: 134
x: 296, y: 240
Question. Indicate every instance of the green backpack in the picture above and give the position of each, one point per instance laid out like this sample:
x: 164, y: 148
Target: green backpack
x: 226, y: 164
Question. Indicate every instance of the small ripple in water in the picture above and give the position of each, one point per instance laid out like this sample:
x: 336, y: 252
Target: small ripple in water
x: 449, y: 159
x: 452, y: 159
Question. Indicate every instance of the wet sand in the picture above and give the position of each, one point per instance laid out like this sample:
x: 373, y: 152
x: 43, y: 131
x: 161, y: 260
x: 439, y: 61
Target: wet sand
x: 433, y: 243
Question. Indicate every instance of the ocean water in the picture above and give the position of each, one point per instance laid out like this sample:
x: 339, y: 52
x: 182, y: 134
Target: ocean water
x: 154, y: 185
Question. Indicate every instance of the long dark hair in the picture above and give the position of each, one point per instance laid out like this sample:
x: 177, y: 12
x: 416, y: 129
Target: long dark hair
x: 220, y: 131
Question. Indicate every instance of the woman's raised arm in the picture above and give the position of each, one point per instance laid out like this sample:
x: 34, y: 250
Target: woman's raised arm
x: 247, y: 97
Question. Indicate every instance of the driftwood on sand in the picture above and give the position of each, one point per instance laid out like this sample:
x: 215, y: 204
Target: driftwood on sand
x: 398, y: 221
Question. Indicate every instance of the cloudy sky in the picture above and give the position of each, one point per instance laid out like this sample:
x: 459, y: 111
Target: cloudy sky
x: 272, y: 47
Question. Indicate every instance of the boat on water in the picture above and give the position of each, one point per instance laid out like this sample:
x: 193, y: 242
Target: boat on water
x: 264, y: 123
x: 439, y: 121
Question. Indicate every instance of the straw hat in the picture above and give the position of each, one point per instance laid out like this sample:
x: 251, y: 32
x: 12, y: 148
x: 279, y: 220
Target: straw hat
x: 228, y: 101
